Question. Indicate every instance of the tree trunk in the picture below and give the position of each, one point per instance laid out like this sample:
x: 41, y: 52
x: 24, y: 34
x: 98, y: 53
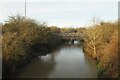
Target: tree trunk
x: 95, y: 53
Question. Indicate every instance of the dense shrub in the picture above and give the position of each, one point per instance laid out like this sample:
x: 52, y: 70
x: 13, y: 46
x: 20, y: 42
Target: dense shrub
x: 101, y: 42
x: 19, y: 35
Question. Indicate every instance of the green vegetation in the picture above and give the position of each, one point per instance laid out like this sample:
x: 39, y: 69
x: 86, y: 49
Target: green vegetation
x: 101, y: 43
x: 22, y: 38
x: 101, y: 70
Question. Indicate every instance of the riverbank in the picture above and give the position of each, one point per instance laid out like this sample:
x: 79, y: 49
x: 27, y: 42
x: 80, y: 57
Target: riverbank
x: 23, y: 39
x: 68, y: 61
x: 103, y: 48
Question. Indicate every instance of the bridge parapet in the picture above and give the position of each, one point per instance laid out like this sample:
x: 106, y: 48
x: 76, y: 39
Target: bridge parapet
x: 71, y: 35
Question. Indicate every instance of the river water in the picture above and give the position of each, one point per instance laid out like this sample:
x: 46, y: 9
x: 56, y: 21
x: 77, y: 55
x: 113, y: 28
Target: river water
x: 69, y: 61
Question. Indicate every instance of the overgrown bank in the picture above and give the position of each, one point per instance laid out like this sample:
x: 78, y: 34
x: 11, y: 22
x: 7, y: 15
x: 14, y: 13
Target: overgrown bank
x: 101, y: 43
x: 22, y: 40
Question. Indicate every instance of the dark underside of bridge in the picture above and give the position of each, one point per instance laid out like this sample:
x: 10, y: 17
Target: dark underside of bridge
x: 71, y: 37
x: 72, y: 40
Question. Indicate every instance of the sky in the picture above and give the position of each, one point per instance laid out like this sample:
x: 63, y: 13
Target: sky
x: 61, y: 13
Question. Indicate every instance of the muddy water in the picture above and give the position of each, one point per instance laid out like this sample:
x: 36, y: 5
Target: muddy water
x: 67, y: 62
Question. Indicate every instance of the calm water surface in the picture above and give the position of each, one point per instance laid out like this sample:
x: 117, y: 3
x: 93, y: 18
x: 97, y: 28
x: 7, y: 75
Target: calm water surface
x: 67, y: 62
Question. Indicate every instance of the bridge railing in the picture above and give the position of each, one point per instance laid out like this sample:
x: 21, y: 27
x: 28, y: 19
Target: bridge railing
x: 70, y: 35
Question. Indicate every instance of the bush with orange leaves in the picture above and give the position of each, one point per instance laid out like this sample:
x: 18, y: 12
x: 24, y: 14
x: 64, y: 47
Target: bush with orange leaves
x: 101, y: 43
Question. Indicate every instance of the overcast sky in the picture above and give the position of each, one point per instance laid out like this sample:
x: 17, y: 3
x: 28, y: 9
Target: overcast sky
x: 61, y: 12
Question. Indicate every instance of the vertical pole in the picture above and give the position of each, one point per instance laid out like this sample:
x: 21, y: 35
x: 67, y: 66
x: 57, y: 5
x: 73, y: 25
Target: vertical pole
x: 25, y: 9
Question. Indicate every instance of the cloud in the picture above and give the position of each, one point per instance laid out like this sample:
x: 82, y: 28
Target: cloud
x: 62, y: 13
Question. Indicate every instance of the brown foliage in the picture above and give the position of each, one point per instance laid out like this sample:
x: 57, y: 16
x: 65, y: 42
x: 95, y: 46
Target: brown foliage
x: 103, y: 40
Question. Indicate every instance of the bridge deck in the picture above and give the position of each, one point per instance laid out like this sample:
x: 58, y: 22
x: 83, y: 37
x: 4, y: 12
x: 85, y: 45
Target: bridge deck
x: 71, y: 35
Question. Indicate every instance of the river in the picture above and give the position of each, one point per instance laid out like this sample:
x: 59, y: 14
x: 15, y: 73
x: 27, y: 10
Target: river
x: 69, y: 61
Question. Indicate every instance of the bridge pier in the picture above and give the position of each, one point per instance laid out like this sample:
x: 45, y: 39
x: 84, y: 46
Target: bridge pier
x: 72, y: 41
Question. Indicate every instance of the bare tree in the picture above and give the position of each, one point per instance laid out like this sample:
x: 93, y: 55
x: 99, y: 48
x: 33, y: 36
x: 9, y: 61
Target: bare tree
x: 93, y: 36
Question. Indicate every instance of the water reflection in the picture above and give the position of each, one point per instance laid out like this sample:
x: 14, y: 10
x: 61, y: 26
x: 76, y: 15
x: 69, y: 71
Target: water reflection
x: 72, y: 63
x: 67, y: 62
x: 39, y: 67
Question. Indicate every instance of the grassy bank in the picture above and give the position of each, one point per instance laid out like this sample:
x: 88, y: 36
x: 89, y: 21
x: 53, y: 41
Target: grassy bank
x: 101, y: 43
x: 22, y: 40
